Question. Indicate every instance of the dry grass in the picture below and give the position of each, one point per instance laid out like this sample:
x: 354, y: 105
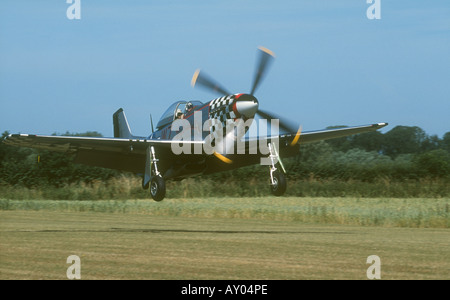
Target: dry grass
x: 386, y: 212
x: 36, y: 244
x: 127, y: 186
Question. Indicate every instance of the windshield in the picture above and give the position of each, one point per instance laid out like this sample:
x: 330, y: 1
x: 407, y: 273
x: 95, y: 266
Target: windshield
x: 170, y: 114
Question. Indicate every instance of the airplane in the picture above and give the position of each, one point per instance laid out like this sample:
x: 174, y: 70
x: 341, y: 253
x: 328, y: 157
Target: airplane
x: 214, y: 137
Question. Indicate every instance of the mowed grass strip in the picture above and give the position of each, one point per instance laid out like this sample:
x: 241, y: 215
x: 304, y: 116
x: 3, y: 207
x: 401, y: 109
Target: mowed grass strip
x: 36, y: 244
x: 387, y: 212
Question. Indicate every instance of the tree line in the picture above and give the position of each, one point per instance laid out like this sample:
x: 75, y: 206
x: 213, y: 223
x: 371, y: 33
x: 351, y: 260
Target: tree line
x: 404, y: 153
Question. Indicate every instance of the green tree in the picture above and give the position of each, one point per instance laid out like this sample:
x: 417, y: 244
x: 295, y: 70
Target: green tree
x: 434, y: 163
x: 403, y: 140
x: 370, y: 141
x: 446, y: 141
x: 32, y: 167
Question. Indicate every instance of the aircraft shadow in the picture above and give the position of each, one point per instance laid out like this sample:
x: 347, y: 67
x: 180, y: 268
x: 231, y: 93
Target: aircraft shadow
x: 155, y: 230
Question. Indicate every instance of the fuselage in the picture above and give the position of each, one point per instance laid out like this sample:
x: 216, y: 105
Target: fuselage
x: 211, y: 120
x: 225, y: 111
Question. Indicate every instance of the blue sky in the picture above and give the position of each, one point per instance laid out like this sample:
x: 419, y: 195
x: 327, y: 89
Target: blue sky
x: 333, y: 65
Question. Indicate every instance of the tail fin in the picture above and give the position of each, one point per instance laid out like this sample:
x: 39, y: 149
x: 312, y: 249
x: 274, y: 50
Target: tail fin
x: 121, y: 127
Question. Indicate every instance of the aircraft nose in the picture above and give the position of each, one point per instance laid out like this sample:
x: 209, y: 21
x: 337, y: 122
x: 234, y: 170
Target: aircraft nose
x: 245, y: 105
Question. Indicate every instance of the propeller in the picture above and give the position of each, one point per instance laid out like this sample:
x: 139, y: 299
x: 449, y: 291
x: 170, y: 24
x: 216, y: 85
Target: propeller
x: 283, y: 124
x: 200, y: 78
x: 207, y: 82
x: 265, y: 58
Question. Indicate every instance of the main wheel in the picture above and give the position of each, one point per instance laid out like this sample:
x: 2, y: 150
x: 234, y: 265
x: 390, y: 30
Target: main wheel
x: 279, y: 186
x: 158, y: 188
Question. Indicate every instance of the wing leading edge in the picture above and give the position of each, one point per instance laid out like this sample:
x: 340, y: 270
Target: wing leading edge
x: 319, y: 135
x: 306, y: 137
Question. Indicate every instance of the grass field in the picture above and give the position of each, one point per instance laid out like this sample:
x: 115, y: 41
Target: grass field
x: 226, y: 238
x: 387, y: 212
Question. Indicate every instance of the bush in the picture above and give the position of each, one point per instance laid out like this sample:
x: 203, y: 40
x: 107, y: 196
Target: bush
x: 435, y: 163
x: 355, y: 165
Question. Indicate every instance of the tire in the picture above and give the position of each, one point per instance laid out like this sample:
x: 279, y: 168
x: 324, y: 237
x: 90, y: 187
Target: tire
x: 158, y: 188
x: 279, y: 188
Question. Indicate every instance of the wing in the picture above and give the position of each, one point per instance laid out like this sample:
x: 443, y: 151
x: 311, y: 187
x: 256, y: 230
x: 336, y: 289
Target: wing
x: 130, y: 154
x: 306, y: 137
x: 114, y: 153
x: 288, y: 141
x: 319, y: 135
x: 288, y: 145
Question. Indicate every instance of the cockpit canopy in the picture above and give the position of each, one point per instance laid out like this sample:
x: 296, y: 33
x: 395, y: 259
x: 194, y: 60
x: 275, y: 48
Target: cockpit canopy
x: 170, y: 114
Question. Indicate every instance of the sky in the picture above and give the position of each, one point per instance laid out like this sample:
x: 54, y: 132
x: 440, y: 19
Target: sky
x: 333, y: 66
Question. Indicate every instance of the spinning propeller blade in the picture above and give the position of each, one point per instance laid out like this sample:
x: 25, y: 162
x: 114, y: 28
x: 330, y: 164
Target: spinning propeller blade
x: 265, y: 57
x: 223, y: 158
x: 297, y: 137
x: 284, y: 124
x: 207, y: 82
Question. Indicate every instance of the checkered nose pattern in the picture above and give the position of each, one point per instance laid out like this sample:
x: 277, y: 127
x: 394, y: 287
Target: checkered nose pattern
x: 225, y: 110
x: 232, y: 107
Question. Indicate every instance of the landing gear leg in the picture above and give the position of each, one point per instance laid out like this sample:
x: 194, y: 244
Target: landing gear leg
x: 152, y: 177
x: 277, y: 177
